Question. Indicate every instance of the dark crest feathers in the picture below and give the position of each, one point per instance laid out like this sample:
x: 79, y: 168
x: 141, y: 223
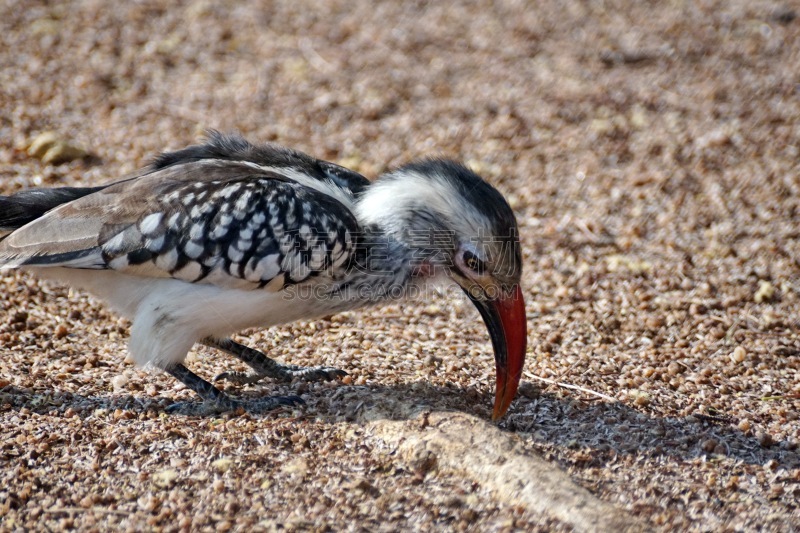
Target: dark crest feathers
x: 235, y: 148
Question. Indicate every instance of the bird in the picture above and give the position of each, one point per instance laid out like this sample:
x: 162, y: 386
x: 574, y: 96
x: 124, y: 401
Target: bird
x: 226, y: 235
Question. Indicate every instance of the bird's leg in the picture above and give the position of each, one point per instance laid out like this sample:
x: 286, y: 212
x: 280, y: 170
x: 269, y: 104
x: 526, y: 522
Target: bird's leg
x: 215, y: 401
x: 263, y: 366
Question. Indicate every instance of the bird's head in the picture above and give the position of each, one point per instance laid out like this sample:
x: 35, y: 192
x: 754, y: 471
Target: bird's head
x: 459, y: 226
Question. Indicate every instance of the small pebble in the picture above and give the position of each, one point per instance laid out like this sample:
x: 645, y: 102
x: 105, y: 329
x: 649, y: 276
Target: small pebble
x: 554, y: 337
x: 709, y: 445
x: 61, y: 331
x: 86, y: 502
x: 765, y: 292
x: 697, y: 309
x: 147, y: 503
x: 165, y: 478
x: 222, y: 465
x: 674, y: 369
x: 738, y: 354
x: 119, y: 381
x: 642, y: 400
x: 765, y: 440
x: 654, y: 322
x: 432, y: 360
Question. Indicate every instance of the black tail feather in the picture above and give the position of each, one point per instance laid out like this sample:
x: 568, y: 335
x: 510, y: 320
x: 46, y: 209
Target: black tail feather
x: 25, y: 206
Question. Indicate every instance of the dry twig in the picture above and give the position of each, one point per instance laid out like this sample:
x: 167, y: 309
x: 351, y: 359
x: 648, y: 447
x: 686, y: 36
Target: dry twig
x: 573, y: 387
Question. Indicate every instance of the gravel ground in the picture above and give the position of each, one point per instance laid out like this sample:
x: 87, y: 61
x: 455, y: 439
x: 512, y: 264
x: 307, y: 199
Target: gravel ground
x: 651, y: 151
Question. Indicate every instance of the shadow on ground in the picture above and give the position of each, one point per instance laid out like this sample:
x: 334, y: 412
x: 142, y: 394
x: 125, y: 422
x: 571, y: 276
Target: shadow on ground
x: 603, y: 430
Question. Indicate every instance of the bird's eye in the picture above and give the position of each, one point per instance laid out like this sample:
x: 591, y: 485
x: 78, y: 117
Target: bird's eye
x: 474, y: 263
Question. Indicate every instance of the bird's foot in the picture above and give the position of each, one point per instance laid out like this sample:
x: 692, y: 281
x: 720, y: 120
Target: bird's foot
x: 227, y: 405
x: 263, y: 366
x: 239, y: 378
x: 287, y: 373
x: 313, y: 373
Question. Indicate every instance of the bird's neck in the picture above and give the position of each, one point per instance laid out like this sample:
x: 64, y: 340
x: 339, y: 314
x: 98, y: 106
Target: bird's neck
x: 399, y: 247
x: 382, y: 269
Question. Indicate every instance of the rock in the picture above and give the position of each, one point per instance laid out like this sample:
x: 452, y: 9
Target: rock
x: 119, y: 382
x: 765, y: 292
x: 222, y: 465
x: 53, y: 149
x: 165, y: 478
x: 298, y: 467
x: 463, y: 444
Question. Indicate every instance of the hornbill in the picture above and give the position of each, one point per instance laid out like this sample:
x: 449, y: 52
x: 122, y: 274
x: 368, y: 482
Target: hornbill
x: 227, y: 235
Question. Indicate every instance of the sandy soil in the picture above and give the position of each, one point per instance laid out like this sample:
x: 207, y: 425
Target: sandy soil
x: 651, y: 151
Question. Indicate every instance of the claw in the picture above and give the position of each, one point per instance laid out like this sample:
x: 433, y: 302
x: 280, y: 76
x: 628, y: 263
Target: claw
x: 239, y: 378
x: 322, y: 373
x: 175, y: 407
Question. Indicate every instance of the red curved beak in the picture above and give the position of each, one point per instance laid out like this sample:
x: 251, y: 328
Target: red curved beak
x: 508, y: 327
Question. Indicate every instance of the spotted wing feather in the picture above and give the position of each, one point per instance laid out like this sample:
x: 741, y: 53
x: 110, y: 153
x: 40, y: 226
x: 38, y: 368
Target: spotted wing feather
x: 206, y: 221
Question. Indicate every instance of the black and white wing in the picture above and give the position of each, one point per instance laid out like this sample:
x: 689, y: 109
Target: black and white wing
x: 225, y: 213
